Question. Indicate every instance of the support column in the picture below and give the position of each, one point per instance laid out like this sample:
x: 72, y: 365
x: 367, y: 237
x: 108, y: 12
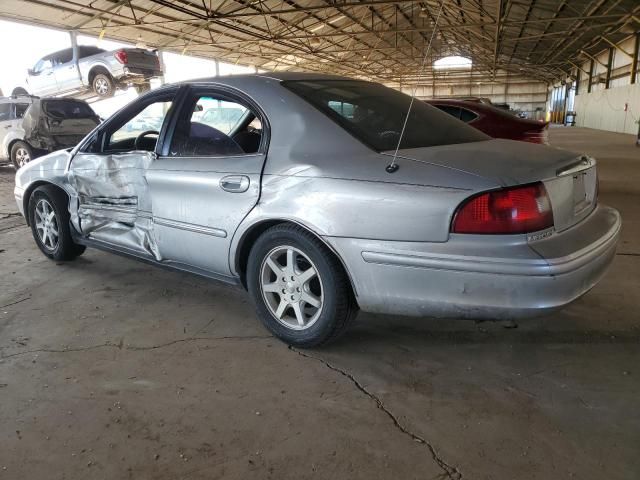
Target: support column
x: 163, y: 65
x: 609, y: 68
x: 634, y: 59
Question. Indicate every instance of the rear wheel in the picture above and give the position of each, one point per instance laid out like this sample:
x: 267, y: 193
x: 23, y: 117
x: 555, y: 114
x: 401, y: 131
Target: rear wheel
x: 300, y: 290
x: 21, y: 154
x: 103, y: 85
x: 49, y: 220
x: 142, y: 87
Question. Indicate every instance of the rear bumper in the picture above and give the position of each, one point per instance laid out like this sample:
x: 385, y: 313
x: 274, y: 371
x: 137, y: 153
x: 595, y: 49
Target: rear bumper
x: 133, y: 74
x: 482, y: 277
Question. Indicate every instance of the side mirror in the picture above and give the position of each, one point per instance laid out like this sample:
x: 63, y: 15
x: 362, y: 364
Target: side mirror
x: 31, y: 72
x: 199, y: 108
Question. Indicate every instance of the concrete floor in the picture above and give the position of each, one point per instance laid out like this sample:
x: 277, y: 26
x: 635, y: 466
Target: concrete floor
x: 112, y: 369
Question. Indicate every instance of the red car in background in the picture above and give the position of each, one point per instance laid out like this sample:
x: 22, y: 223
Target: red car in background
x: 493, y: 121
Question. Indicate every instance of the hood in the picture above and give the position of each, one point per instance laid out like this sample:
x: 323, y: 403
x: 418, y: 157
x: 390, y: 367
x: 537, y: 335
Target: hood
x: 506, y: 162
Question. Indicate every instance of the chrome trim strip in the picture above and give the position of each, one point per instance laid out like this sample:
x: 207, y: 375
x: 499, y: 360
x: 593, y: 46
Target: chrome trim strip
x: 498, y: 266
x: 461, y: 264
x: 165, y: 222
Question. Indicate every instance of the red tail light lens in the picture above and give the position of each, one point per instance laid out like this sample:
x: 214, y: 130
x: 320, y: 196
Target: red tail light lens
x: 519, y: 209
x: 121, y: 56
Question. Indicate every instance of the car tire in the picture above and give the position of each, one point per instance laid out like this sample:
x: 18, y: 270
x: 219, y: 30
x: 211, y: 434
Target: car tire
x: 289, y: 266
x: 49, y: 219
x: 21, y: 154
x: 103, y: 85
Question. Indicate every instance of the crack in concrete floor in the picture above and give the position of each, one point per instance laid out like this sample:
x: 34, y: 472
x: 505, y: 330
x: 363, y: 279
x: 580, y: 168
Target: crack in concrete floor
x: 450, y: 472
x: 134, y: 348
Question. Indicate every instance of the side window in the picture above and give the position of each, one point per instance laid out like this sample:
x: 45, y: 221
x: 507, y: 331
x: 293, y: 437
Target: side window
x: 62, y: 57
x: 19, y: 109
x: 87, y: 50
x: 42, y: 64
x: 140, y: 129
x: 453, y: 111
x: 5, y: 112
x: 467, y: 115
x: 215, y: 126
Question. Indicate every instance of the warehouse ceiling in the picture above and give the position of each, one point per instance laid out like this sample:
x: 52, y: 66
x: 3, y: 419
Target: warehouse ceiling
x: 380, y: 39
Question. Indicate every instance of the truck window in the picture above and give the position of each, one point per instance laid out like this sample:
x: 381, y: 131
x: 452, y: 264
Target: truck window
x: 87, y: 51
x: 63, y: 56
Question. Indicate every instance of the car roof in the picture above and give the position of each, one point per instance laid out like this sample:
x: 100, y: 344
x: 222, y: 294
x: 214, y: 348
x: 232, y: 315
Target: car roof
x: 233, y: 80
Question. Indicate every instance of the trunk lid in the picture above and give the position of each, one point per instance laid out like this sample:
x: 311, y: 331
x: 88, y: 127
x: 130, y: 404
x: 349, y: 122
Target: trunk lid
x: 570, y: 179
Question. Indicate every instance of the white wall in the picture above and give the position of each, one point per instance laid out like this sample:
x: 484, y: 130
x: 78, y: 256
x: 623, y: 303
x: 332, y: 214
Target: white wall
x: 604, y: 109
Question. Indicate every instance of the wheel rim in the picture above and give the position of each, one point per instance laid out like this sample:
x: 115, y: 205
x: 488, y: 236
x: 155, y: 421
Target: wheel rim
x: 47, y: 225
x: 291, y: 287
x: 101, y: 85
x: 22, y: 156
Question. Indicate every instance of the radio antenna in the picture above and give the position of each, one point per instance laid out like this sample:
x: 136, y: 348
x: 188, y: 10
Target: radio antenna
x: 393, y: 166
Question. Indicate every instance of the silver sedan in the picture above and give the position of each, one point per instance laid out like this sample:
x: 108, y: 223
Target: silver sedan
x: 314, y: 199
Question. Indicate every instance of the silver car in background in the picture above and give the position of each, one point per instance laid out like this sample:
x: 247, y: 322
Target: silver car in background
x: 91, y: 69
x: 12, y: 110
x: 304, y: 203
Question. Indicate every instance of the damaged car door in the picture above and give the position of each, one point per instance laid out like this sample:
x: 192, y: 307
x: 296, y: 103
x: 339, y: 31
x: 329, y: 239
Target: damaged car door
x: 207, y: 178
x: 108, y: 176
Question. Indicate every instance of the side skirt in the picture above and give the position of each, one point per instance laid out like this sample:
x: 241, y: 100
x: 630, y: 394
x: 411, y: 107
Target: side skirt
x: 168, y: 265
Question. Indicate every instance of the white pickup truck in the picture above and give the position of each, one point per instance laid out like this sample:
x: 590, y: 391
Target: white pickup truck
x: 91, y: 69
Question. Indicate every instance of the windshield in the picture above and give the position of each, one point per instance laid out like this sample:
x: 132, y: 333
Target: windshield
x: 374, y: 114
x: 66, y: 109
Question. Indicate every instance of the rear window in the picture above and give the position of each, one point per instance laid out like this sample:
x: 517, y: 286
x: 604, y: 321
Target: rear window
x: 375, y: 114
x: 67, y: 109
x: 87, y: 51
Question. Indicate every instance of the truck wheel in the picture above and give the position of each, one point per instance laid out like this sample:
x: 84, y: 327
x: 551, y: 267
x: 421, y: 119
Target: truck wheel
x: 142, y: 87
x: 21, y: 154
x: 103, y: 85
x: 49, y: 219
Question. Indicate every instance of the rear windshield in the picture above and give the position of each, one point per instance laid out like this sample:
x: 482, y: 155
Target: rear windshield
x: 67, y: 109
x: 88, y: 50
x: 375, y: 114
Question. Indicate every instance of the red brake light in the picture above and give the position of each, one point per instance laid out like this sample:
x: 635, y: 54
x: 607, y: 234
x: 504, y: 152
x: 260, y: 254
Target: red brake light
x: 519, y: 209
x: 121, y: 56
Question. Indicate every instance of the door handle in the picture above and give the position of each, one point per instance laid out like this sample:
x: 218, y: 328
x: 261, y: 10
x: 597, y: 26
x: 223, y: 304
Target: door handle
x: 235, y: 183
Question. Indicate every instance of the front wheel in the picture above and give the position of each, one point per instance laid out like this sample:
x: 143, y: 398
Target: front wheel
x: 299, y: 288
x: 49, y: 220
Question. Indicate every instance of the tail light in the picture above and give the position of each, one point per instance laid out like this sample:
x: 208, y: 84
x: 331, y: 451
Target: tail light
x: 521, y: 209
x: 121, y: 56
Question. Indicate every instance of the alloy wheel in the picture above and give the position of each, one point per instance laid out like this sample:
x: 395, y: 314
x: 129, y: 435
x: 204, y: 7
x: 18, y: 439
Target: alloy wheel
x: 101, y: 86
x: 291, y: 287
x: 47, y: 225
x: 22, y: 157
